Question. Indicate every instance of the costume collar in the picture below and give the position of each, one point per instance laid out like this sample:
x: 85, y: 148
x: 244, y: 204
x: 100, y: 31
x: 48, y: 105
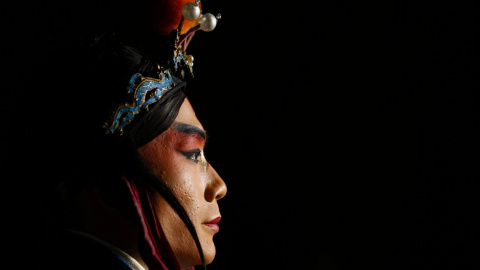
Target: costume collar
x: 120, y: 254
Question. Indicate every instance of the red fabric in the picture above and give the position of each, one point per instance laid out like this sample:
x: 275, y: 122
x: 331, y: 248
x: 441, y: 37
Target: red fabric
x: 161, y: 256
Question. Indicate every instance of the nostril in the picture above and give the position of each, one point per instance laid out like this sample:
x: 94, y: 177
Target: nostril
x: 222, y: 191
x: 216, y: 188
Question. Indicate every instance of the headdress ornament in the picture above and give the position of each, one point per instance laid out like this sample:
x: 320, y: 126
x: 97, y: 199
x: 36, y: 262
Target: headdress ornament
x: 147, y: 91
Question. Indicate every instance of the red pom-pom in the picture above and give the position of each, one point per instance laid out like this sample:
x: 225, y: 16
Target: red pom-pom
x: 165, y: 16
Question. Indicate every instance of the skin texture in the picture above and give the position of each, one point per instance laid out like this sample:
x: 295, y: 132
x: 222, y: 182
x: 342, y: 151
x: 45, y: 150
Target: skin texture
x: 174, y: 156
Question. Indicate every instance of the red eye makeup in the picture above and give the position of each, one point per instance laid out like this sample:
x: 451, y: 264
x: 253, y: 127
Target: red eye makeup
x: 188, y: 140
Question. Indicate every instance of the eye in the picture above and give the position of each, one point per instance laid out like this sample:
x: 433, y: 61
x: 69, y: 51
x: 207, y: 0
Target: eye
x: 193, y: 155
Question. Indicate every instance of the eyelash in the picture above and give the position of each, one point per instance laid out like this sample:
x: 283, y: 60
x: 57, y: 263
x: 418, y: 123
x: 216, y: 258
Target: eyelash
x: 193, y: 155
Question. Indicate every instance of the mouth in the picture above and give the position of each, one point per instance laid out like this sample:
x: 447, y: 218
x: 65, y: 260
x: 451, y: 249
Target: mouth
x: 213, y: 224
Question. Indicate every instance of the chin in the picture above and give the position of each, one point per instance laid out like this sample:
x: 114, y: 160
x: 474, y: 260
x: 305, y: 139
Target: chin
x: 209, y: 254
x: 209, y: 250
x: 189, y: 259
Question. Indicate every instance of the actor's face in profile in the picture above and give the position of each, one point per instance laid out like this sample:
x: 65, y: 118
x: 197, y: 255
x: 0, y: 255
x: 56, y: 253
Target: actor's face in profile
x: 177, y: 157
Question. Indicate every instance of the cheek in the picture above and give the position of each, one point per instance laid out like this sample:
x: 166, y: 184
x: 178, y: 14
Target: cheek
x: 161, y: 158
x: 188, y: 186
x: 175, y: 230
x: 188, y: 182
x: 186, y: 190
x: 181, y: 175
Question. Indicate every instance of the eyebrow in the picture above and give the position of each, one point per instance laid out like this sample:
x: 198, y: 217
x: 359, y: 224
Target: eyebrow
x: 189, y: 129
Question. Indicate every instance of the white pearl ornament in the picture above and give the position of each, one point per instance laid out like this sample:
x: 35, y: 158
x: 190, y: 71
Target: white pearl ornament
x: 189, y: 59
x: 208, y: 22
x: 191, y: 11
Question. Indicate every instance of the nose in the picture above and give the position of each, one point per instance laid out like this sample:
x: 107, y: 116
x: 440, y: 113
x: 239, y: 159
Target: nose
x: 216, y: 187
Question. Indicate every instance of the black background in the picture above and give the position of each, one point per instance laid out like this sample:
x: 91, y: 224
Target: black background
x: 347, y: 132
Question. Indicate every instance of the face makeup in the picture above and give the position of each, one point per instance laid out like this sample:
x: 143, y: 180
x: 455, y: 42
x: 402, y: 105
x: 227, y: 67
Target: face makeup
x: 177, y: 157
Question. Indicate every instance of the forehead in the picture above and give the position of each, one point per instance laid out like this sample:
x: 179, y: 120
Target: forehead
x: 187, y: 115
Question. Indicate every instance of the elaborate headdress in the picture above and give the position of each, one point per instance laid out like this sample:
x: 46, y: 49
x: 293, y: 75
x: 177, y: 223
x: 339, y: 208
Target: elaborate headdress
x: 146, y: 91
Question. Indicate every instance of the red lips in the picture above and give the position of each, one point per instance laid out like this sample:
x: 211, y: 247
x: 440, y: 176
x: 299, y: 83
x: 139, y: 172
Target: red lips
x: 213, y: 224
